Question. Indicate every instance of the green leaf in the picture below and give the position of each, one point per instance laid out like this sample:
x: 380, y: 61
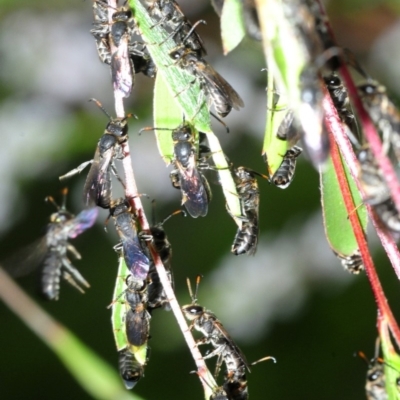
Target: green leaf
x: 225, y: 177
x: 338, y: 228
x: 182, y: 86
x: 93, y: 374
x: 118, y: 308
x: 168, y: 107
x: 232, y: 26
x: 274, y: 149
x: 392, y: 367
x: 167, y: 115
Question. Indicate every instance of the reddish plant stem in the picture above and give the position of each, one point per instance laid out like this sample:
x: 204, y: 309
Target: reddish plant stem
x: 131, y: 193
x: 373, y: 139
x: 377, y: 290
x: 368, y: 126
x: 336, y: 127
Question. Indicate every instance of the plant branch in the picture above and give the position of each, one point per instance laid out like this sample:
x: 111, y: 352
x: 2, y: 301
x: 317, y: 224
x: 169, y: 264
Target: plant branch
x: 336, y: 132
x: 369, y: 128
x: 132, y: 195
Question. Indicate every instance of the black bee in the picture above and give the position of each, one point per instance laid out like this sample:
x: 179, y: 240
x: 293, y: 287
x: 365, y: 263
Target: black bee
x: 352, y: 263
x: 310, y: 112
x: 375, y: 383
x: 122, y: 73
x: 97, y: 189
x: 288, y: 129
x: 383, y: 113
x: 218, y: 393
x: 119, y: 35
x: 246, y: 238
x: 380, y: 108
x: 214, y: 333
x: 101, y: 30
x: 136, y: 259
x: 235, y: 384
x: 130, y: 369
x: 376, y: 191
x: 140, y: 60
x: 183, y: 32
x: 137, y: 319
x: 156, y: 294
x: 284, y: 175
x: 215, y: 87
x: 52, y: 251
x: 196, y: 193
x: 341, y: 102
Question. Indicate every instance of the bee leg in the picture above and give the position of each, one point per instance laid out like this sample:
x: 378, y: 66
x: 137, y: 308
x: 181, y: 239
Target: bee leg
x: 75, y: 171
x: 175, y: 179
x: 73, y: 250
x: 115, y: 172
x: 74, y: 273
x: 68, y: 277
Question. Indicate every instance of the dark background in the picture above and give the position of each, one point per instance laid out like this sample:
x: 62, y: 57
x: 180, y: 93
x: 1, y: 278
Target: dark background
x: 313, y: 327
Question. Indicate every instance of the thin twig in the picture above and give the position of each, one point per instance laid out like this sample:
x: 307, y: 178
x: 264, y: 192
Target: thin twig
x: 133, y: 196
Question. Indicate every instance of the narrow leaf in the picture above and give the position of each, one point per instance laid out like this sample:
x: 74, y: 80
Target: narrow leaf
x: 182, y: 86
x: 392, y: 363
x: 167, y: 115
x: 118, y: 309
x: 337, y: 224
x: 232, y: 26
x: 274, y: 149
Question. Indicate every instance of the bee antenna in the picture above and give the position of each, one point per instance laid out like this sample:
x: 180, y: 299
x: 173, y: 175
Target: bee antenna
x: 101, y: 107
x: 50, y: 199
x: 172, y: 214
x: 152, y: 128
x: 190, y: 290
x: 64, y: 200
x: 264, y: 359
x: 377, y: 347
x: 363, y: 356
x: 198, y: 279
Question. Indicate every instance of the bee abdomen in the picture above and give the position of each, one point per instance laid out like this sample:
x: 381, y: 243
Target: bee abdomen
x: 129, y: 368
x: 389, y: 215
x: 51, y: 275
x: 284, y: 175
x: 246, y: 239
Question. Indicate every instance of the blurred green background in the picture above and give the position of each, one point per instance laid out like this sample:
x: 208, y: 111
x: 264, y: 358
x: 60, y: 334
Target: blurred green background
x: 292, y: 300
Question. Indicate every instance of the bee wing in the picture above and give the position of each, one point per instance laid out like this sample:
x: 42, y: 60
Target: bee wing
x: 217, y: 83
x: 122, y: 73
x: 84, y: 220
x: 98, y: 180
x: 137, y: 324
x: 136, y: 260
x: 226, y: 335
x: 193, y: 190
x: 27, y: 259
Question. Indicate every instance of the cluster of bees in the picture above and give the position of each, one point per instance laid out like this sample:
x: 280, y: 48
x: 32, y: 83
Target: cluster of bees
x: 141, y: 291
x: 323, y: 59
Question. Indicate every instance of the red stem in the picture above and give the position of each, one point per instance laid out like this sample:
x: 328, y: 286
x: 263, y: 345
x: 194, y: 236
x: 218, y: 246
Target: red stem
x: 332, y: 122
